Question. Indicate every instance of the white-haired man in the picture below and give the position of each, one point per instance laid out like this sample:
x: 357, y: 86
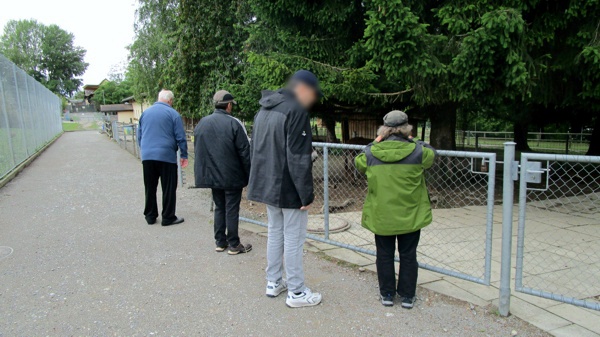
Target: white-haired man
x: 160, y: 134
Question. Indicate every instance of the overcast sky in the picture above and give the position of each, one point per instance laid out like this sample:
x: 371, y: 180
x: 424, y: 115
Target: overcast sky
x: 104, y: 28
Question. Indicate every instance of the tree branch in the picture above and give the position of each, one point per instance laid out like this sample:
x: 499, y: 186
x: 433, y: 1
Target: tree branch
x: 398, y: 93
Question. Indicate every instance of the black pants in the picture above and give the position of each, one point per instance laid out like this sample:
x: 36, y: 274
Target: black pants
x: 227, y: 213
x: 167, y: 172
x: 409, y: 268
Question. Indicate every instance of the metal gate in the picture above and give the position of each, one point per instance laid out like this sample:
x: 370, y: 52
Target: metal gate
x: 558, y: 247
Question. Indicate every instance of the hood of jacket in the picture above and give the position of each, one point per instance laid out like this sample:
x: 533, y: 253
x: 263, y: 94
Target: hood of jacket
x: 393, y: 149
x: 271, y: 99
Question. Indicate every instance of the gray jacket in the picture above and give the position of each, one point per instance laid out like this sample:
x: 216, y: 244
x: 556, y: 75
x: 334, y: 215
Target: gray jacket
x: 281, y: 147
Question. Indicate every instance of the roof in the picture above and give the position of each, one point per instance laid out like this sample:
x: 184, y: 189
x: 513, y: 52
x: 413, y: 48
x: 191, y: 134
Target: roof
x: 116, y: 107
x: 128, y: 99
x: 93, y: 86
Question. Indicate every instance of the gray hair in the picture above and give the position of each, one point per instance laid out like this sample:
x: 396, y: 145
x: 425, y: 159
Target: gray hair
x: 165, y: 95
x: 386, y: 131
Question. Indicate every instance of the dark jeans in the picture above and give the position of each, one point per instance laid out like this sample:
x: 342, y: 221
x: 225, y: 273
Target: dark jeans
x: 409, y: 268
x: 227, y: 213
x: 167, y: 173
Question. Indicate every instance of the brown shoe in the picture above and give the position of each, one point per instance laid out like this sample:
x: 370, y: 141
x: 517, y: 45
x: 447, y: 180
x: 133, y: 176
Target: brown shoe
x: 220, y: 249
x: 240, y: 249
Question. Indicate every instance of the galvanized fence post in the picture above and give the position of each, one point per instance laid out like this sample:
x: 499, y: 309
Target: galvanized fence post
x: 125, y: 137
x: 326, y: 190
x: 507, y: 224
x: 490, y: 218
x: 521, y: 227
x: 179, y: 169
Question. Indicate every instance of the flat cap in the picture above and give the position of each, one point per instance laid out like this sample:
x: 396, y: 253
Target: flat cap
x: 395, y: 118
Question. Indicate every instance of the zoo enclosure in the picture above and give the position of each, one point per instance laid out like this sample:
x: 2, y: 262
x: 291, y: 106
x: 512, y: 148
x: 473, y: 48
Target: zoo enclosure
x: 558, y: 227
x: 29, y: 116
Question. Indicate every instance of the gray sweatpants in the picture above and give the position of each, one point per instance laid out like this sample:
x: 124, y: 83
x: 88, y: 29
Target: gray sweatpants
x: 286, y: 236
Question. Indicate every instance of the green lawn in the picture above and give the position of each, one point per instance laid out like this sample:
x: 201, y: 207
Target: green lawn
x: 71, y: 126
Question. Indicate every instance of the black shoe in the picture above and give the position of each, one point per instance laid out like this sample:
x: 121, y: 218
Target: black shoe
x: 240, y: 249
x: 177, y: 221
x: 151, y: 221
x: 387, y: 300
x: 408, y: 302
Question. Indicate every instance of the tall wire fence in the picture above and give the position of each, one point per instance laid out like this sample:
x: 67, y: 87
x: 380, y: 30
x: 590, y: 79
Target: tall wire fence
x: 29, y: 116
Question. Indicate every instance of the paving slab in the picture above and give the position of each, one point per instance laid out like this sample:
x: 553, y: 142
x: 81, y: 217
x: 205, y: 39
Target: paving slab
x: 449, y: 289
x: 573, y: 330
x: 580, y: 316
x: 348, y: 256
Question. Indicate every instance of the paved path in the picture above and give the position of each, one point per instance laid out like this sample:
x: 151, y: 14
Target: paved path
x: 84, y: 263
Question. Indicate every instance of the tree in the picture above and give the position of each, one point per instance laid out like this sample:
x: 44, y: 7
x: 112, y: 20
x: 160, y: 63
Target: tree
x: 155, y: 40
x: 47, y: 53
x: 207, y: 56
x: 113, y: 92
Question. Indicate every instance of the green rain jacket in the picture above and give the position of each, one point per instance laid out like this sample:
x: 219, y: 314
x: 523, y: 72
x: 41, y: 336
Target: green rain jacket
x: 397, y: 200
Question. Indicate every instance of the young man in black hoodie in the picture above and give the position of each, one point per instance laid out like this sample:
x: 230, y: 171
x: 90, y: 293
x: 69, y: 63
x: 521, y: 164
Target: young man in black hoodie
x: 281, y: 177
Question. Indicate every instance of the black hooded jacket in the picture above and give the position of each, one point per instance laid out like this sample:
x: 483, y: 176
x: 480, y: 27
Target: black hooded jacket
x: 222, y: 152
x: 281, y: 147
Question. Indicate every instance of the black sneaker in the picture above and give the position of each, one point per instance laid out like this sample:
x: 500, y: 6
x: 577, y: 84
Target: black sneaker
x: 387, y: 300
x: 408, y: 302
x: 240, y: 249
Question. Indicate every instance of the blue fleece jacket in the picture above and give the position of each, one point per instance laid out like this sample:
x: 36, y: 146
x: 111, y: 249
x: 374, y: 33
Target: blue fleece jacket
x: 161, y: 133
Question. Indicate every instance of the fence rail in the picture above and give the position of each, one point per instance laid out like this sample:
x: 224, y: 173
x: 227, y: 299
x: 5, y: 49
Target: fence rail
x: 567, y: 143
x: 29, y: 116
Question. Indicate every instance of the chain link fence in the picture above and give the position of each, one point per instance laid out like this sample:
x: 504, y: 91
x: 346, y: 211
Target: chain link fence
x: 29, y: 116
x: 461, y: 186
x: 125, y: 134
x: 558, y: 247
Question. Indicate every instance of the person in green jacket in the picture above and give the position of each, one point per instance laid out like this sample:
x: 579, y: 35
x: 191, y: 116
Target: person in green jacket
x: 397, y: 204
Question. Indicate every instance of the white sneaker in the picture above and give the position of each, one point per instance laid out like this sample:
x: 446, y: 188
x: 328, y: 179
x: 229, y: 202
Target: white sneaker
x: 306, y: 299
x: 275, y: 288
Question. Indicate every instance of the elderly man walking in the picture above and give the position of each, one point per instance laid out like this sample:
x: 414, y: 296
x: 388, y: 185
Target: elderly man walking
x: 160, y: 134
x: 223, y: 165
x: 281, y: 177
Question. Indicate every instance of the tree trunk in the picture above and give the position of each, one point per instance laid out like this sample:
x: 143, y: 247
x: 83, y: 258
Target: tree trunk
x: 594, y: 149
x: 330, y: 126
x: 443, y: 127
x: 520, y: 136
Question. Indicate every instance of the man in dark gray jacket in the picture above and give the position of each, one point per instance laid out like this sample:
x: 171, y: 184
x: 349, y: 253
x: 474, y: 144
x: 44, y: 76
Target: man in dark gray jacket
x: 281, y: 177
x: 223, y: 165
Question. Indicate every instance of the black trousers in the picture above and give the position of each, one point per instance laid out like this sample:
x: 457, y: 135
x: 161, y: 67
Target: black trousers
x: 167, y: 173
x: 227, y: 214
x: 409, y: 268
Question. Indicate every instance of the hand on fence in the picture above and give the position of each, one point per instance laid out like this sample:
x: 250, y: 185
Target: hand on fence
x: 184, y: 162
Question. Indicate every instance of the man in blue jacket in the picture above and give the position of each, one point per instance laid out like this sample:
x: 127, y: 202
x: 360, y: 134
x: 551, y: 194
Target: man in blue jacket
x: 160, y: 134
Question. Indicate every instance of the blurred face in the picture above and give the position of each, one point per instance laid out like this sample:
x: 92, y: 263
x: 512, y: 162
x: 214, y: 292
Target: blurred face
x: 305, y: 95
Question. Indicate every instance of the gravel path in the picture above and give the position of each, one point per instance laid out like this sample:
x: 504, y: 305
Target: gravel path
x: 86, y: 264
